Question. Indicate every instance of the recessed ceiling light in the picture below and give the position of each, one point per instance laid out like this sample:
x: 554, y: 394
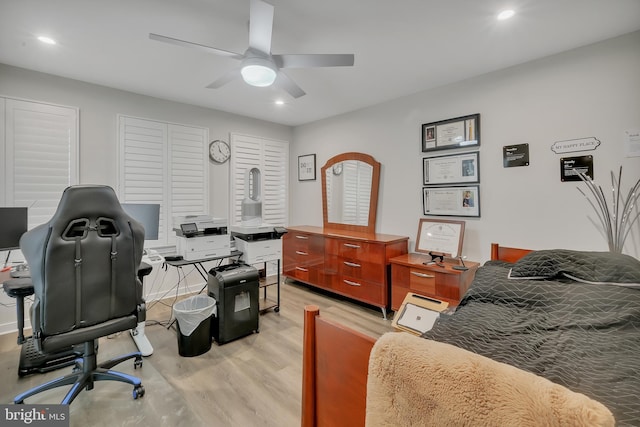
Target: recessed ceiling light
x: 47, y: 40
x: 506, y: 14
x: 279, y: 102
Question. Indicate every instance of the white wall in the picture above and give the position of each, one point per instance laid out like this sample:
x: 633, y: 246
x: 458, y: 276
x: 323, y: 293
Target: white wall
x: 591, y: 91
x: 99, y: 107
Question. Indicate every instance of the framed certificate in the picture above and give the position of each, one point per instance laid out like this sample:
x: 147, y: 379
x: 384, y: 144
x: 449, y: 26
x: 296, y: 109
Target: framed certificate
x: 451, y: 169
x: 451, y: 201
x: 440, y: 237
x: 452, y: 133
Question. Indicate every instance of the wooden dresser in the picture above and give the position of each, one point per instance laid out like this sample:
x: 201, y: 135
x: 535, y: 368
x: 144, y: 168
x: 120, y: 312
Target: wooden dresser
x: 410, y: 274
x: 349, y: 263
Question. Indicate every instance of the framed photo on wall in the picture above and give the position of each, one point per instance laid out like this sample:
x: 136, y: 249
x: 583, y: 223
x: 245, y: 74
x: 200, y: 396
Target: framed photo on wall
x: 451, y: 201
x: 451, y: 169
x: 452, y: 133
x: 307, y: 167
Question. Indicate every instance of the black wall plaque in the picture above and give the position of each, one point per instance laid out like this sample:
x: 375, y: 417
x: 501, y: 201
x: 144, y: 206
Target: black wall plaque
x: 515, y: 155
x: 570, y: 167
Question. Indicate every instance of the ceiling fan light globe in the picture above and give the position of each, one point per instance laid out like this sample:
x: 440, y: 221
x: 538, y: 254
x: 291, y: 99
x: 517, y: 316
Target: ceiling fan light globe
x: 258, y: 75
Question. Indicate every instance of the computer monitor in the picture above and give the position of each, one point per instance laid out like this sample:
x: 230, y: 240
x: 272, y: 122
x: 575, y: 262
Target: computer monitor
x: 13, y: 224
x: 148, y: 214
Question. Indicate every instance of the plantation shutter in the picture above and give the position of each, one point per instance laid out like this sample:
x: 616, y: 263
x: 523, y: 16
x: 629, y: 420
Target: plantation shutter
x: 40, y: 156
x: 272, y: 158
x: 166, y: 164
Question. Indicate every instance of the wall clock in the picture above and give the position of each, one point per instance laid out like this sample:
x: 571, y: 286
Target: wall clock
x: 219, y: 151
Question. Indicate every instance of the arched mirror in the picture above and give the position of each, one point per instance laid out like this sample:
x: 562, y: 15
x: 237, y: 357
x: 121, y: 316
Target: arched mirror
x: 350, y: 192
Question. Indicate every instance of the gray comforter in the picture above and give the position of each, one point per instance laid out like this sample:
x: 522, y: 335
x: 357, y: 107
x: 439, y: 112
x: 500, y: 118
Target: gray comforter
x: 583, y: 336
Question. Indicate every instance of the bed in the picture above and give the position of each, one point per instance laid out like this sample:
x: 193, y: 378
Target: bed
x: 570, y: 319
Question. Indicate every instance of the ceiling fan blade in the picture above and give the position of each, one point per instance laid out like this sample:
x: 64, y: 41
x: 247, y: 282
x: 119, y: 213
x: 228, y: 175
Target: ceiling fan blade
x: 260, y: 25
x: 225, y: 78
x: 314, y: 60
x: 283, y: 81
x: 184, y: 43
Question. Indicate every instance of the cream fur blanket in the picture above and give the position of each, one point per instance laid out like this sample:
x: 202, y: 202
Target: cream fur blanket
x: 417, y: 382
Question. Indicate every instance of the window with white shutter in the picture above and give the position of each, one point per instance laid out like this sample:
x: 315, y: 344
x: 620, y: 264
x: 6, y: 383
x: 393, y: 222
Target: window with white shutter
x: 272, y: 158
x: 166, y: 164
x: 40, y: 156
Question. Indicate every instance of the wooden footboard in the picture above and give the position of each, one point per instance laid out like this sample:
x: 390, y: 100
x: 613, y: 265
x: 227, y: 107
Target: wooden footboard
x: 334, y: 372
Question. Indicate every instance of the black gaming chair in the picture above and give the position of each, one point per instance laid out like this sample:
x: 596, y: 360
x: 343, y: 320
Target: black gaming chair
x: 84, y: 265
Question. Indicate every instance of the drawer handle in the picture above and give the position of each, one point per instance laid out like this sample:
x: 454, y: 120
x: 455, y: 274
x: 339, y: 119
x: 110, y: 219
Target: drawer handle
x: 302, y: 269
x: 426, y: 276
x: 352, y: 264
x: 301, y: 253
x: 302, y: 237
x: 351, y: 245
x: 349, y: 282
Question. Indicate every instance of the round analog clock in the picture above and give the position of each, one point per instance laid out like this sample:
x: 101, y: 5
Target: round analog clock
x: 219, y: 151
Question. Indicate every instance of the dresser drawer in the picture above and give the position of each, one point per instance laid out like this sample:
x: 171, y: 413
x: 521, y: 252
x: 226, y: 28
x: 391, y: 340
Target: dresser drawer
x: 422, y: 281
x: 356, y: 250
x: 363, y: 270
x: 361, y: 290
x: 304, y: 242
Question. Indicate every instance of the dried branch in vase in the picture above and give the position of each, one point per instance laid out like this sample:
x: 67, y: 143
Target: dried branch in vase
x: 618, y: 218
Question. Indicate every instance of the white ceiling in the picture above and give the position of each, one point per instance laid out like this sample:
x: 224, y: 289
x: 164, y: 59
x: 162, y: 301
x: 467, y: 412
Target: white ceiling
x: 401, y: 47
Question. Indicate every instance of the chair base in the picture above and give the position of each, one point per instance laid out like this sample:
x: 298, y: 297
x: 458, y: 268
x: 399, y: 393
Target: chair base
x: 86, y: 372
x: 32, y: 361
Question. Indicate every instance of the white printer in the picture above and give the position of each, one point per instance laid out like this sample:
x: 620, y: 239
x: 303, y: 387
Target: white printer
x: 201, y: 236
x: 258, y: 243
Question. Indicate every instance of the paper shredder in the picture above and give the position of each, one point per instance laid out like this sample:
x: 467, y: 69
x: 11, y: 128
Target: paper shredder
x: 235, y: 288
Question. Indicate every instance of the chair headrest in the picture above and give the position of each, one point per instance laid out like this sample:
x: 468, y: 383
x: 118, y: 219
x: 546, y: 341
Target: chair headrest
x: 87, y: 201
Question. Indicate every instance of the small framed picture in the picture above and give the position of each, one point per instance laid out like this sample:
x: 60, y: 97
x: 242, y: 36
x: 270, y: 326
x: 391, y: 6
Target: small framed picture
x: 451, y: 201
x: 307, y: 167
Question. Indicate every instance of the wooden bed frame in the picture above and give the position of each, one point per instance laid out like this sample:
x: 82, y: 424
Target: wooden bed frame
x: 335, y: 364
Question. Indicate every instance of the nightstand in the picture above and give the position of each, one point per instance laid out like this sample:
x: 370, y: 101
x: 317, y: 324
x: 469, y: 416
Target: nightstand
x: 410, y: 274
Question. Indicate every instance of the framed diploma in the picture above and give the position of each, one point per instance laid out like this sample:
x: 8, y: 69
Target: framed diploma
x: 453, y: 133
x: 451, y: 201
x: 452, y: 169
x: 440, y: 237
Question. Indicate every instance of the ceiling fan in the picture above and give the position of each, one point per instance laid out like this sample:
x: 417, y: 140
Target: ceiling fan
x: 258, y: 66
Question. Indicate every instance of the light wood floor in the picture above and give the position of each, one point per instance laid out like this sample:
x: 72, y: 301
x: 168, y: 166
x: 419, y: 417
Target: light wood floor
x: 253, y: 381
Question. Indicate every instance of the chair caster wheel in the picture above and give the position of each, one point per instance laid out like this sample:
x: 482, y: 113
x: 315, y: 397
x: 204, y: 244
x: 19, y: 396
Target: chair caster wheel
x: 277, y: 309
x: 137, y: 363
x: 138, y: 392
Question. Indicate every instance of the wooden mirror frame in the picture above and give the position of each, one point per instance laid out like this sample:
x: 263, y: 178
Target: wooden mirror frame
x: 373, y: 201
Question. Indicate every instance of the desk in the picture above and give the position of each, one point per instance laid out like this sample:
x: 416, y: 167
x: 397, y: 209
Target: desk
x: 197, y: 263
